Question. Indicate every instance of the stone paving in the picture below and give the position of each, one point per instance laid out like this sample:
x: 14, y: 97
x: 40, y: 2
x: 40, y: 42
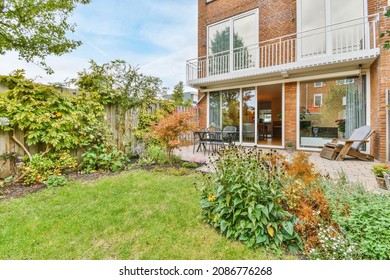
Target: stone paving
x: 356, y: 170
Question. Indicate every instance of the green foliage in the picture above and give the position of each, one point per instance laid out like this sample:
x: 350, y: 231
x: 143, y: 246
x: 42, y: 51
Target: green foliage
x: 55, y: 181
x: 386, y: 44
x: 190, y: 164
x: 333, y: 246
x: 364, y: 217
x: 117, y: 82
x: 243, y: 199
x: 380, y: 169
x: 40, y: 167
x: 44, y: 115
x: 178, y: 94
x: 100, y: 152
x: 173, y: 171
x: 147, y: 119
x: 36, y: 29
x: 156, y: 154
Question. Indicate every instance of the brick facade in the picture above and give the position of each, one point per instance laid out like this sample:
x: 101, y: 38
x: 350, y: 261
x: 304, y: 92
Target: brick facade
x: 278, y: 18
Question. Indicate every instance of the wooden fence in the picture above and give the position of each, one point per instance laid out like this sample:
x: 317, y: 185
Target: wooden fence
x: 123, y: 136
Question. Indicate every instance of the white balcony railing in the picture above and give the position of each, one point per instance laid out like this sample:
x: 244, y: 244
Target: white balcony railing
x: 346, y: 37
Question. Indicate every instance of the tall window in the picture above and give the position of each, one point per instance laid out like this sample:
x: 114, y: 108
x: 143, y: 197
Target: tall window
x: 231, y: 44
x: 334, y: 113
x: 331, y: 26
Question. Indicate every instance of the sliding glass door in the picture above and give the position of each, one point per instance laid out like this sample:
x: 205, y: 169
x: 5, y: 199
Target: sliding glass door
x: 255, y: 112
x: 331, y: 109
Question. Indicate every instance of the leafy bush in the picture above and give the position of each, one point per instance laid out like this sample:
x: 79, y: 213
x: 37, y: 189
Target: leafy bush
x: 380, y: 169
x: 306, y: 200
x: 156, y: 154
x: 364, y: 217
x: 41, y: 166
x: 170, y: 129
x: 100, y: 152
x: 190, y: 164
x: 243, y: 199
x: 55, y: 181
x: 99, y: 157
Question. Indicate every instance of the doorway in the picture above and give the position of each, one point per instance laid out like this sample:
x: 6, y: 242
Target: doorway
x: 270, y: 108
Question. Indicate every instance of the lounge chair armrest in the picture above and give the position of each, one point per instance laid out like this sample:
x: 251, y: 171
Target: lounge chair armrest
x: 351, y: 141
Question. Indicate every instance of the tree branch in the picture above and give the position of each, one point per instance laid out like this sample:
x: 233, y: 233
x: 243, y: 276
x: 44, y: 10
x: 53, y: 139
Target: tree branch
x: 21, y: 145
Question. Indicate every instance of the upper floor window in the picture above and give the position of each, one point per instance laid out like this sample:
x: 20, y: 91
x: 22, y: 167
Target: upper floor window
x: 330, y: 26
x: 231, y: 44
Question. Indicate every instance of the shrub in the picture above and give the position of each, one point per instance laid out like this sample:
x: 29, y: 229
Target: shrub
x: 41, y: 166
x: 243, y: 199
x: 364, y: 217
x: 380, y: 169
x: 170, y: 129
x: 55, y: 181
x: 103, y: 158
x: 190, y: 164
x: 100, y: 152
x: 305, y: 199
x: 156, y: 154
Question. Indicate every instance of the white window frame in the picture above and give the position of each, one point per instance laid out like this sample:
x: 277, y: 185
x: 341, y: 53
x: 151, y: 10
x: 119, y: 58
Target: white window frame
x: 328, y: 11
x: 314, y: 100
x: 318, y: 84
x: 231, y: 39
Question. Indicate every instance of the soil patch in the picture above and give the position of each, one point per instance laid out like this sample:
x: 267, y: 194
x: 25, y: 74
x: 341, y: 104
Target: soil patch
x: 17, y: 189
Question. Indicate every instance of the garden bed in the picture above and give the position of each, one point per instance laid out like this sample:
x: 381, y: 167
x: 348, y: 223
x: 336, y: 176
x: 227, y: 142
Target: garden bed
x: 18, y: 189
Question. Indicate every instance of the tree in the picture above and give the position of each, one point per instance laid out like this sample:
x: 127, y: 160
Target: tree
x: 121, y: 85
x: 220, y: 50
x: 170, y: 129
x: 36, y: 29
x: 178, y: 94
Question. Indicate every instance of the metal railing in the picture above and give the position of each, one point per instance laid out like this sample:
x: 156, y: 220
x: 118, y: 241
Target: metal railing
x: 345, y: 37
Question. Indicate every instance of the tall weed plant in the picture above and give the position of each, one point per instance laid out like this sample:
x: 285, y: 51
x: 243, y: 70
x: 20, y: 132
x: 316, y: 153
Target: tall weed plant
x: 243, y: 199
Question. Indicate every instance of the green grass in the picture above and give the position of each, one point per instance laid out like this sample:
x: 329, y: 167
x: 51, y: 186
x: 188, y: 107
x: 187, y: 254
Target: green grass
x: 137, y: 215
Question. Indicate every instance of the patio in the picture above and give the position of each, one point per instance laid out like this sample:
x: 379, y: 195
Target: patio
x: 356, y: 170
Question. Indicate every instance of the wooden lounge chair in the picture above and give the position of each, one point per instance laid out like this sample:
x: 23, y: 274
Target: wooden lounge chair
x: 339, y: 148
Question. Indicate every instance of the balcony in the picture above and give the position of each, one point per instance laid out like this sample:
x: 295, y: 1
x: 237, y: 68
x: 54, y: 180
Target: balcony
x: 345, y: 44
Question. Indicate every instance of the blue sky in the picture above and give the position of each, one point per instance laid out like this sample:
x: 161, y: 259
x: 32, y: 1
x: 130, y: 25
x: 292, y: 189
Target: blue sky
x: 158, y: 36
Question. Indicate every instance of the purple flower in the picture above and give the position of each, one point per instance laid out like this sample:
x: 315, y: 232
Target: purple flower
x: 4, y: 122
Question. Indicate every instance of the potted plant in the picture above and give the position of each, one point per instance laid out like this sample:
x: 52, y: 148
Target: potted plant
x: 341, y: 126
x: 290, y: 146
x: 380, y: 170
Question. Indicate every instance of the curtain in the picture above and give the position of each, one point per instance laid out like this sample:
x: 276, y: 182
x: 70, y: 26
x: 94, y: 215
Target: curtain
x: 355, y: 115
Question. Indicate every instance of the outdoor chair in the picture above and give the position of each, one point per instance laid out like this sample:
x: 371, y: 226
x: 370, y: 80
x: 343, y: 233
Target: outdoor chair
x: 227, y: 135
x: 338, y: 149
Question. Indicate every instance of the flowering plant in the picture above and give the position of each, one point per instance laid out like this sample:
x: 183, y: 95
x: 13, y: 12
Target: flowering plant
x: 333, y: 246
x: 380, y: 169
x: 340, y: 124
x: 4, y: 122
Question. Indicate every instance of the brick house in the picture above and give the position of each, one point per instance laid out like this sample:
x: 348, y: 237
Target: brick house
x: 292, y: 68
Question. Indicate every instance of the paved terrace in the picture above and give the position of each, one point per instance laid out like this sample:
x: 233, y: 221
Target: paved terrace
x: 356, y: 170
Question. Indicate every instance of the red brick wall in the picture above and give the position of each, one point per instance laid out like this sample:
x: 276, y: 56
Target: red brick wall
x: 380, y: 82
x: 276, y: 17
x: 290, y: 111
x: 202, y: 110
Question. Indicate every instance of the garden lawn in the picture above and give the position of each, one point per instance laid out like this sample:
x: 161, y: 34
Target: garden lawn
x: 136, y: 215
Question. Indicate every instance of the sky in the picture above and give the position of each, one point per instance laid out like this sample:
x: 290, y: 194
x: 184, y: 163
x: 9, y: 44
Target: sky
x: 157, y: 36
